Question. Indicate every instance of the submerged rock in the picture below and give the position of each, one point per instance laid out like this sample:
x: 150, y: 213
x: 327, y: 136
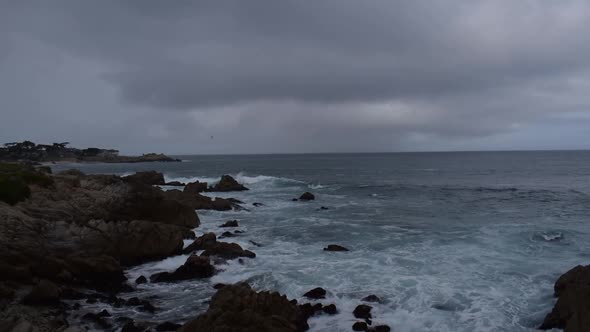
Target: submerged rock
x: 335, y: 247
x: 372, y: 298
x: 227, y: 251
x: 228, y: 183
x: 307, y: 196
x: 572, y: 309
x: 167, y: 326
x: 239, y: 308
x: 381, y: 328
x: 175, y: 184
x: 316, y: 293
x: 141, y: 280
x: 230, y: 223
x: 195, y: 267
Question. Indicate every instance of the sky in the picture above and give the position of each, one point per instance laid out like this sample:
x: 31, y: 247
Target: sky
x: 291, y: 76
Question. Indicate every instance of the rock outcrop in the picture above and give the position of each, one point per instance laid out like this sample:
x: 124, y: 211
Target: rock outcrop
x: 195, y: 267
x: 316, y: 293
x: 335, y: 247
x: 572, y: 309
x: 151, y: 178
x: 195, y: 187
x: 227, y: 183
x: 238, y: 308
x: 307, y: 196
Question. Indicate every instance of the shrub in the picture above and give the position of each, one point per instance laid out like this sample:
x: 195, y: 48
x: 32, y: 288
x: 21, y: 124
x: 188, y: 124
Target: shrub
x: 13, y: 189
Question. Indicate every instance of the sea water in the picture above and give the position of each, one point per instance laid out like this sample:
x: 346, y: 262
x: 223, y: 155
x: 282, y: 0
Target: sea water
x: 469, y: 241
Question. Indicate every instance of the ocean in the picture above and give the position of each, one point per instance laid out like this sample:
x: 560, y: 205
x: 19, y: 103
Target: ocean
x: 462, y: 241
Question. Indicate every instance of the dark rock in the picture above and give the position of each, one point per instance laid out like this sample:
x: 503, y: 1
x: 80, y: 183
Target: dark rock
x: 141, y: 280
x: 323, y: 208
x: 195, y: 187
x: 195, y: 267
x: 219, y: 286
x: 6, y: 293
x: 175, y: 184
x: 257, y: 204
x: 189, y: 235
x: 227, y: 234
x: 131, y: 327
x: 149, y: 178
x: 576, y: 277
x: 335, y: 247
x: 360, y: 326
x: 294, y: 200
x: 330, y: 309
x: 101, y: 272
x: 310, y: 310
x: 167, y: 326
x: 201, y: 243
x: 44, y: 293
x: 239, y: 232
x: 134, y: 302
x: 572, y: 309
x: 372, y: 298
x: 104, y: 313
x: 256, y: 243
x: 97, y: 319
x: 239, y: 308
x: 362, y: 311
x: 227, y: 251
x: 230, y: 223
x: 235, y: 201
x: 147, y: 307
x: 381, y: 328
x: 228, y: 183
x: 316, y: 293
x: 307, y: 196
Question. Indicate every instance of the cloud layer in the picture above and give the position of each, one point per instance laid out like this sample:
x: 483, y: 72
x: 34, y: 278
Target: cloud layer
x: 296, y: 76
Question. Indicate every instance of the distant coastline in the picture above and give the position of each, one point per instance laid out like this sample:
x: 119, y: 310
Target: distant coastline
x: 28, y: 151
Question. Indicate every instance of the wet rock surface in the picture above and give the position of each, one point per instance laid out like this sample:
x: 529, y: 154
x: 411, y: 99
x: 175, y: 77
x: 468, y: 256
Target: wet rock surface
x: 239, y: 308
x: 572, y: 309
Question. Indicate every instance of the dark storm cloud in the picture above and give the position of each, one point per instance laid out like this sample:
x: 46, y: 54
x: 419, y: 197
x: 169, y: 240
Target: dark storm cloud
x: 398, y: 74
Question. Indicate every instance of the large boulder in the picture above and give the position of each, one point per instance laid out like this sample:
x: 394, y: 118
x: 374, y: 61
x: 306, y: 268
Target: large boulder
x: 149, y: 177
x: 195, y: 267
x: 572, y: 309
x: 238, y: 308
x: 228, y: 183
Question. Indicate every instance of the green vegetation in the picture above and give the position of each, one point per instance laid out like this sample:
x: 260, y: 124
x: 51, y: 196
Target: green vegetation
x: 15, y: 179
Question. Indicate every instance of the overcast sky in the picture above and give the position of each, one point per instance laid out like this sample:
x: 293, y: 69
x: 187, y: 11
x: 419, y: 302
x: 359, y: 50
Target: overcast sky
x: 296, y: 76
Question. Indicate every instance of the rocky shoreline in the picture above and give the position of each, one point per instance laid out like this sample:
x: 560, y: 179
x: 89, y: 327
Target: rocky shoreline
x: 67, y: 239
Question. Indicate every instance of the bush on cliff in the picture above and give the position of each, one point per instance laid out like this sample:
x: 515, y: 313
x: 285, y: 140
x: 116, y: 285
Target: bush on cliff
x: 15, y: 180
x: 13, y: 189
